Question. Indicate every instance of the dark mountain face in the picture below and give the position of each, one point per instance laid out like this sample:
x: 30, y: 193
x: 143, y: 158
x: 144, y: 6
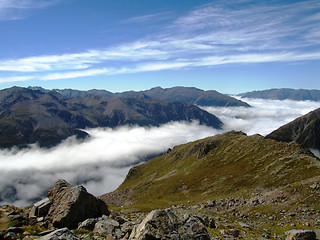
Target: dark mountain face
x: 175, y: 94
x: 29, y: 116
x: 285, y: 93
x: 304, y: 130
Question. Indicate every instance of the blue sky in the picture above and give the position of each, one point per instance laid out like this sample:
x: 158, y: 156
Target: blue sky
x: 231, y: 46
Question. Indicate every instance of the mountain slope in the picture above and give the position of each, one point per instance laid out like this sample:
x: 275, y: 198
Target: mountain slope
x: 226, y: 165
x: 29, y: 116
x: 190, y: 95
x: 304, y: 130
x: 176, y: 94
x: 285, y: 93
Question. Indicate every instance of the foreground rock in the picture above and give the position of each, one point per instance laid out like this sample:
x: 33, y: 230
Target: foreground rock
x: 68, y: 205
x: 164, y: 224
x: 60, y: 234
x: 71, y: 205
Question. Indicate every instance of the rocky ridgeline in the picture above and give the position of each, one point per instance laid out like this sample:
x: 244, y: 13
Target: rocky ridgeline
x: 71, y: 213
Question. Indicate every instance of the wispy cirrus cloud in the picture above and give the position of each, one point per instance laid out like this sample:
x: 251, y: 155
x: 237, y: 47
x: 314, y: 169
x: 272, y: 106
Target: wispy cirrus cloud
x: 76, y: 74
x: 223, y: 32
x: 16, y: 9
x: 148, y: 18
x: 15, y: 79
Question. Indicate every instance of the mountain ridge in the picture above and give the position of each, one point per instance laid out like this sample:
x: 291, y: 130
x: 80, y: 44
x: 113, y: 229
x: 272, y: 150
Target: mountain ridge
x: 30, y: 116
x: 304, y: 130
x: 219, y: 166
x: 258, y: 186
x: 284, y: 93
x: 181, y: 94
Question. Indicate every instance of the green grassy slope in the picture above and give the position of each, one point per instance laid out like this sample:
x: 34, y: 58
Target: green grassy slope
x: 227, y: 165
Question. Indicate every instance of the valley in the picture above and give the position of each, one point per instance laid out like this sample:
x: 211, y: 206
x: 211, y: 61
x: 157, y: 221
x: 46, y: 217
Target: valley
x: 237, y: 185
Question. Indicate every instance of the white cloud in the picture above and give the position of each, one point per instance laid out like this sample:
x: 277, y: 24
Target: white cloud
x: 224, y: 32
x: 264, y: 116
x: 15, y: 9
x: 15, y: 79
x: 147, y: 18
x: 101, y: 162
x: 66, y: 75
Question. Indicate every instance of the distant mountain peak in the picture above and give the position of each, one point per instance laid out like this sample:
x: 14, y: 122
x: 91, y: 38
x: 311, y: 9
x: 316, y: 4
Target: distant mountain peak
x: 284, y: 93
x: 304, y: 130
x: 29, y: 116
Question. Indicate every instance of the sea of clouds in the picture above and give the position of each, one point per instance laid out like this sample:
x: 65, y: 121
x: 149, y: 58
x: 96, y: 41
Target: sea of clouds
x: 101, y: 162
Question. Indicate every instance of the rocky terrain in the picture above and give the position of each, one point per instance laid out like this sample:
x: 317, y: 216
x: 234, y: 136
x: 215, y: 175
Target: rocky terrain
x: 285, y: 93
x: 260, y: 187
x: 304, y: 130
x: 71, y: 213
x: 30, y: 116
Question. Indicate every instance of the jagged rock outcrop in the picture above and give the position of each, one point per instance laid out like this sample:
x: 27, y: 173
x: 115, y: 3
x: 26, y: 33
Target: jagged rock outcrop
x: 164, y: 224
x: 71, y: 205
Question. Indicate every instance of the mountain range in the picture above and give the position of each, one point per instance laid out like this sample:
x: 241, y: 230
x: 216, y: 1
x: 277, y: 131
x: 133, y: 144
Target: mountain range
x: 30, y: 116
x: 284, y: 93
x: 176, y: 94
x: 232, y: 185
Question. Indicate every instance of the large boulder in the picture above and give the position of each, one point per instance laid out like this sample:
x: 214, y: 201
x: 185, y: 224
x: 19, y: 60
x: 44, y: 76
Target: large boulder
x: 71, y: 205
x: 164, y: 224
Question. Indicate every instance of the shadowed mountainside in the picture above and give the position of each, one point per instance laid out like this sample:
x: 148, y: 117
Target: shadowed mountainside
x: 29, y: 116
x: 304, y: 130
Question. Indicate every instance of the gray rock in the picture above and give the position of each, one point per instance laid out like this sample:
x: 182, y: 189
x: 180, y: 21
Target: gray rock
x: 164, y: 224
x: 60, y: 234
x: 88, y: 224
x: 301, y: 235
x: 41, y: 208
x: 127, y: 227
x: 193, y: 229
x: 72, y: 205
x: 106, y: 225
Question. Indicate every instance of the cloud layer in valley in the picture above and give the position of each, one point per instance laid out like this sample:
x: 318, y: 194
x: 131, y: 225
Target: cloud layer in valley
x: 264, y: 116
x: 101, y: 162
